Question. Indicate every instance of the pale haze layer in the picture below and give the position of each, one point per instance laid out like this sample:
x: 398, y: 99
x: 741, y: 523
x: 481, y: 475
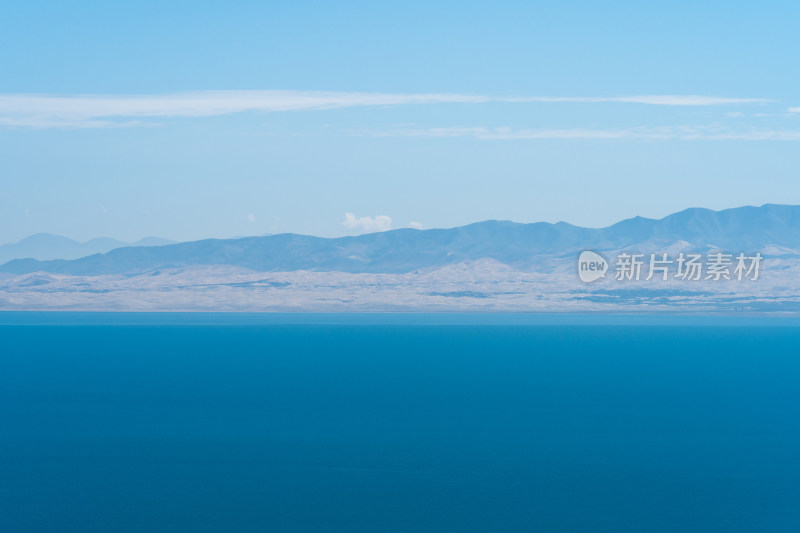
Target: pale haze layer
x: 195, y: 120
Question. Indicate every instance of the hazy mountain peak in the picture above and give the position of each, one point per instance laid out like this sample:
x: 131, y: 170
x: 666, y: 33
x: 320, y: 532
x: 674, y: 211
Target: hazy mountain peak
x: 47, y: 246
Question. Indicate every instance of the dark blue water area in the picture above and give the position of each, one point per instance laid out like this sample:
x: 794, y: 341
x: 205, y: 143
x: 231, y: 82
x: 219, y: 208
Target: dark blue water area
x: 156, y: 423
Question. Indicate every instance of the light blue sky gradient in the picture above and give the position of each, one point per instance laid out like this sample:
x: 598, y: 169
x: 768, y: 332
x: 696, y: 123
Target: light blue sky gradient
x: 107, y: 128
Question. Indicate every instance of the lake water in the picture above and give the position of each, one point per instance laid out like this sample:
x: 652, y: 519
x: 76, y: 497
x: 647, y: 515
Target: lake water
x: 393, y: 423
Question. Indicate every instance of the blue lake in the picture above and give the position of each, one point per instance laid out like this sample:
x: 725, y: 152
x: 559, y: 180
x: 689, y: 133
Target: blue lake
x: 429, y: 423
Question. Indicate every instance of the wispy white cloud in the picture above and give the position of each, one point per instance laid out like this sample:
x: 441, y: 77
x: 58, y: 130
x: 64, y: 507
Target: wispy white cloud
x: 367, y: 224
x: 794, y: 110
x: 99, y: 111
x: 415, y: 225
x: 652, y: 133
x: 504, y: 133
x: 45, y: 122
x: 652, y: 99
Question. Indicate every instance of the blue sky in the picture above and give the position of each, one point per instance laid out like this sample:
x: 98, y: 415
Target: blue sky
x: 213, y: 119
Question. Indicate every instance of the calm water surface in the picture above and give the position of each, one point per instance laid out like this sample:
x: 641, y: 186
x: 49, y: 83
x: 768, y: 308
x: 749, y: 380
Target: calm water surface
x: 394, y: 425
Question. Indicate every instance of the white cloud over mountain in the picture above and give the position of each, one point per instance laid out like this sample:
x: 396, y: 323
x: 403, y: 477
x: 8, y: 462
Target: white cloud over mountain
x: 367, y: 224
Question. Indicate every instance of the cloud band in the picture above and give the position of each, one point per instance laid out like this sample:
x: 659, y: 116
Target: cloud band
x: 74, y: 111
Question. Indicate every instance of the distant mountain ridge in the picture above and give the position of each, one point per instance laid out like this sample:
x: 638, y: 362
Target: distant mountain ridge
x: 46, y: 246
x: 747, y: 229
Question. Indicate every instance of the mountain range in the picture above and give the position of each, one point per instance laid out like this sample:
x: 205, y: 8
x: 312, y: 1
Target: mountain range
x: 46, y: 246
x: 768, y: 228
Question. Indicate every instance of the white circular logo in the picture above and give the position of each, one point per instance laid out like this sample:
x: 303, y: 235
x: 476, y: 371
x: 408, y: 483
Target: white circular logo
x: 591, y: 266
